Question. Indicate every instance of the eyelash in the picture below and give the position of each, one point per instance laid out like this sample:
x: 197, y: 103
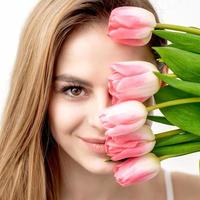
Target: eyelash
x: 70, y: 87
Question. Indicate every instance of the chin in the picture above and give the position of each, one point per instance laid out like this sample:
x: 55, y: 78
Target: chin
x: 99, y: 166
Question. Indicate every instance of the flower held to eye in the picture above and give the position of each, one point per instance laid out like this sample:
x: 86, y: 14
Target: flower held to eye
x: 132, y: 80
x: 123, y: 118
x: 131, y: 25
x: 135, y: 170
x: 134, y: 144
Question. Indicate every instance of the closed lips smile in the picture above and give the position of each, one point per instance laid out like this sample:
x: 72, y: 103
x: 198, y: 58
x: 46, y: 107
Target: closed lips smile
x: 96, y: 145
x: 94, y: 140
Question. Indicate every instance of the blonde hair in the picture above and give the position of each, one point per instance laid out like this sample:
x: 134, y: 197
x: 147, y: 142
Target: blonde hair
x: 29, y: 165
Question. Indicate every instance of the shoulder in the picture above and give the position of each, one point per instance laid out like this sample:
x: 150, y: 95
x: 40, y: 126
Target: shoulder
x: 186, y: 186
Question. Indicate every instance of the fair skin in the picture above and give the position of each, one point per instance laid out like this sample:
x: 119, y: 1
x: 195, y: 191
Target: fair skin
x: 85, y: 176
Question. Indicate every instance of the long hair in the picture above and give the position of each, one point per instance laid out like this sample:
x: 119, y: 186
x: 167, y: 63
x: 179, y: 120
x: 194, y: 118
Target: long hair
x: 29, y: 165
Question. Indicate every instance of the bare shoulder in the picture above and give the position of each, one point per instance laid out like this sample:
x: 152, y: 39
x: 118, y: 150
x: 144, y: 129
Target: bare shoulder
x: 186, y: 186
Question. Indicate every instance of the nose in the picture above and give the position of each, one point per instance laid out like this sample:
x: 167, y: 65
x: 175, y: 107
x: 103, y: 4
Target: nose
x: 100, y: 102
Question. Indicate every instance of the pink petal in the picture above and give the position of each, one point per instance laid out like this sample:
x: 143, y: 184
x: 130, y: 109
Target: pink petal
x: 136, y: 170
x: 129, y: 68
x: 133, y: 42
x: 124, y: 129
x: 122, y: 33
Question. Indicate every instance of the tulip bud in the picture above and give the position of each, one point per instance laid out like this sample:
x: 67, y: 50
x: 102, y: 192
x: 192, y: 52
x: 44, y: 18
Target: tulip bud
x: 132, y: 80
x: 131, y: 25
x: 134, y: 144
x: 136, y: 170
x: 123, y: 118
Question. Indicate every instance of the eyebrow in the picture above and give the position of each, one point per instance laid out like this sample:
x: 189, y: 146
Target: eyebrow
x: 73, y: 79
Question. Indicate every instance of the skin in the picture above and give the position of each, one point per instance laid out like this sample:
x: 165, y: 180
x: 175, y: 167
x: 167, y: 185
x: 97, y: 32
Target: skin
x: 87, y: 54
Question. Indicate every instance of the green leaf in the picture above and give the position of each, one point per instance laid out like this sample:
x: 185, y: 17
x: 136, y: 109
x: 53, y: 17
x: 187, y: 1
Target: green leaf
x: 176, y: 139
x: 186, y: 65
x: 179, y: 47
x: 186, y: 86
x: 185, y: 41
x: 178, y: 149
x: 159, y: 119
x: 184, y: 116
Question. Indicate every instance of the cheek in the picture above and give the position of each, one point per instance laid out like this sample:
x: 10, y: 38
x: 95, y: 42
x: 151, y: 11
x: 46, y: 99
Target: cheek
x: 64, y: 118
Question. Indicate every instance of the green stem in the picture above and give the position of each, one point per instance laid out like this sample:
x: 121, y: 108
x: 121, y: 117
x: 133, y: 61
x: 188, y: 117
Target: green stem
x: 167, y: 133
x: 178, y: 28
x: 177, y: 149
x: 171, y: 75
x: 173, y: 103
x: 180, y: 138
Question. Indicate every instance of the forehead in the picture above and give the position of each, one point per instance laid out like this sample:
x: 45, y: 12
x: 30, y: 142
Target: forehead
x: 90, y: 50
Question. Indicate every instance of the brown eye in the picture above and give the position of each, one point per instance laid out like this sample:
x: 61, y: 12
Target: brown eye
x: 73, y: 91
x: 76, y: 91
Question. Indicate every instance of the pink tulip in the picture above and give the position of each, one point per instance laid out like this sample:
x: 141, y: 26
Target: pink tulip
x: 123, y: 118
x: 136, y: 170
x: 132, y: 80
x: 134, y: 144
x: 131, y: 25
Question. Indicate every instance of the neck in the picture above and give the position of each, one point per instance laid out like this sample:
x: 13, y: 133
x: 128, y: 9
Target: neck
x: 78, y: 183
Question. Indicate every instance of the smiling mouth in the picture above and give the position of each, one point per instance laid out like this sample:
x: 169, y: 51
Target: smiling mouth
x: 94, y: 140
x: 95, y: 146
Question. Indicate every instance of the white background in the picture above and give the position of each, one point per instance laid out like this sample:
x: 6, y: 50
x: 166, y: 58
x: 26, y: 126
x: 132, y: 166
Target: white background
x: 14, y: 13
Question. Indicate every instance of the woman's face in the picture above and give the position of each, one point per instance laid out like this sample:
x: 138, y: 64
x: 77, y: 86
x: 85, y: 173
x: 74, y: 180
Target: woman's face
x: 83, y: 64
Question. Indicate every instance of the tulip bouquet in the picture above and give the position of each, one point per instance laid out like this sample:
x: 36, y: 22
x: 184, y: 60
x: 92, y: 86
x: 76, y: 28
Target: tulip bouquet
x: 129, y: 137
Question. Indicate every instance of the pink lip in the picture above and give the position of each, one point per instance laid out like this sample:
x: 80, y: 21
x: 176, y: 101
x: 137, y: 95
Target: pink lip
x: 96, y: 145
x: 94, y: 140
